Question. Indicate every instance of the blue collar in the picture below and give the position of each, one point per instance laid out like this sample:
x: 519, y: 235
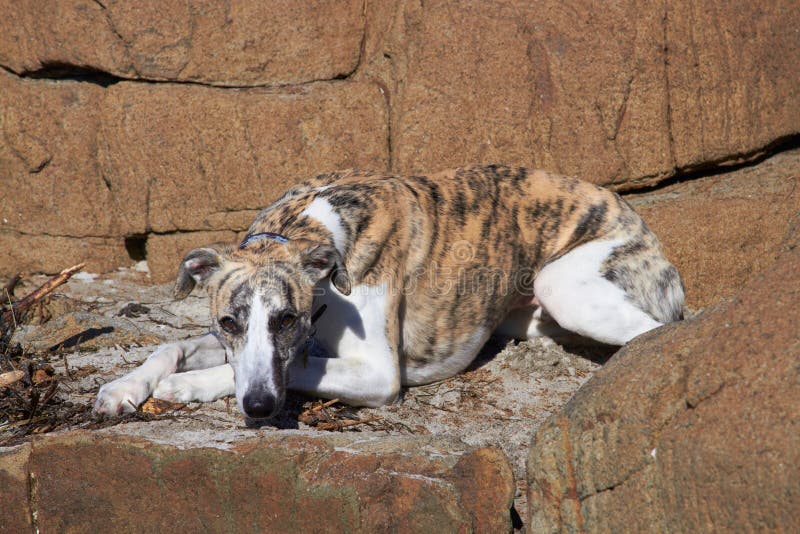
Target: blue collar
x: 263, y: 235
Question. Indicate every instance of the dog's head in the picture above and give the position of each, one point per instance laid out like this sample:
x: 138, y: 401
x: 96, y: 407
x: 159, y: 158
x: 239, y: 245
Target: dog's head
x: 261, y: 298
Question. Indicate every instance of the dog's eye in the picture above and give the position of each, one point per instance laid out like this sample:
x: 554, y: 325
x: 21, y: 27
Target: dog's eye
x: 228, y: 324
x: 287, y: 320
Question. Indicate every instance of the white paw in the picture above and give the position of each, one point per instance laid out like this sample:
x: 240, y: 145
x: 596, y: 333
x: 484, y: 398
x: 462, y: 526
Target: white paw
x: 177, y: 388
x: 120, y: 396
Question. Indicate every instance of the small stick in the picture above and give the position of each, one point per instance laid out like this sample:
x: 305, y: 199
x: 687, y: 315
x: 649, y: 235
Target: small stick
x: 338, y: 425
x: 50, y: 392
x: 34, y: 404
x: 320, y: 406
x: 11, y: 308
x: 24, y: 422
x: 66, y: 366
x: 28, y: 300
x: 324, y: 405
x: 317, y: 414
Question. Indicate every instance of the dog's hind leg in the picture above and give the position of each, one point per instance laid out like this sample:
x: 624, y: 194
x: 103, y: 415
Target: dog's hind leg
x: 529, y: 322
x: 575, y: 293
x: 127, y: 393
x: 534, y: 322
x: 202, y: 385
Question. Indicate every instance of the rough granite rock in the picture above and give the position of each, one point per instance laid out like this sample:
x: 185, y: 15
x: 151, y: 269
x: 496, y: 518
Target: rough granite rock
x: 15, y: 489
x: 623, y: 93
x: 720, y: 230
x: 51, y: 184
x: 731, y: 76
x: 544, y: 85
x: 209, y: 153
x: 49, y: 254
x: 694, y: 427
x: 83, y: 164
x: 277, y: 483
x: 239, y: 43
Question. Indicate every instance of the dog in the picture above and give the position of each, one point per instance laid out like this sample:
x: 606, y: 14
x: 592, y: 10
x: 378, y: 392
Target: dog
x: 414, y: 274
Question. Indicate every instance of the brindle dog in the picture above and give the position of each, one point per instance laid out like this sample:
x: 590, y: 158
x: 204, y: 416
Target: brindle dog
x: 416, y: 273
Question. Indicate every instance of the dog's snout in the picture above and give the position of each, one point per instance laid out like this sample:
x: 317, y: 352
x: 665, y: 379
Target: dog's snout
x: 258, y: 404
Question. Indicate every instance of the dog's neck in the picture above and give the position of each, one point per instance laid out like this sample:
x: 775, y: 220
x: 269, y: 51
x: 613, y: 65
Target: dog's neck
x: 251, y: 238
x: 300, y: 225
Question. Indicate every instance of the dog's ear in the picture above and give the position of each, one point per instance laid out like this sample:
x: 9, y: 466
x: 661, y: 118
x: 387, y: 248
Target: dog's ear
x: 196, y: 268
x: 320, y: 260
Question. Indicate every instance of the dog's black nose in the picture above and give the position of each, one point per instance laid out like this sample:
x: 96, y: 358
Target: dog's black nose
x: 258, y: 405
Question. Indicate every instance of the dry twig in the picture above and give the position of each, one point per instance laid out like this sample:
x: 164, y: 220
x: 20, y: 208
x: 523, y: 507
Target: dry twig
x: 158, y: 406
x: 325, y: 416
x: 22, y: 305
x: 340, y: 424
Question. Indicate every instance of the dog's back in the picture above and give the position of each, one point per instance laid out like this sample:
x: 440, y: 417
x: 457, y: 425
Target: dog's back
x: 463, y: 247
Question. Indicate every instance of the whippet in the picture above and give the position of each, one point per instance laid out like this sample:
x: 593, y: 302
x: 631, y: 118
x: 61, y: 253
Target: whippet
x: 416, y: 273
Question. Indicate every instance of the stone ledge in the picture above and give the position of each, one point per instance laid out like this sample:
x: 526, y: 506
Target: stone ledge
x: 287, y: 482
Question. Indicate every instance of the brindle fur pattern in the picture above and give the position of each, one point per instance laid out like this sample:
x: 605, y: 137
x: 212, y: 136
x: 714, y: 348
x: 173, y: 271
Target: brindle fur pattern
x: 402, y: 231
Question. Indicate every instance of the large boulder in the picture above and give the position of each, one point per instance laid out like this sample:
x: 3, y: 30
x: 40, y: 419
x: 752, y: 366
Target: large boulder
x: 694, y: 427
x: 83, y: 482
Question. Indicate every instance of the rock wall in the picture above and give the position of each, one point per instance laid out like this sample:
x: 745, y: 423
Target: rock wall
x: 162, y: 125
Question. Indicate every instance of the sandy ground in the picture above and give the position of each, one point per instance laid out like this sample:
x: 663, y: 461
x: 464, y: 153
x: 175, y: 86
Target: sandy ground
x: 510, y: 389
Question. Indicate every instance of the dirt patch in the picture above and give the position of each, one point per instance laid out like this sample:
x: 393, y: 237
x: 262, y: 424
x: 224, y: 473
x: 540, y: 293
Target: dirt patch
x: 510, y: 389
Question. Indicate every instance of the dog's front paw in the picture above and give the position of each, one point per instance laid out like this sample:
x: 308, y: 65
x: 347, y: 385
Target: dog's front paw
x: 178, y: 388
x: 120, y: 396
